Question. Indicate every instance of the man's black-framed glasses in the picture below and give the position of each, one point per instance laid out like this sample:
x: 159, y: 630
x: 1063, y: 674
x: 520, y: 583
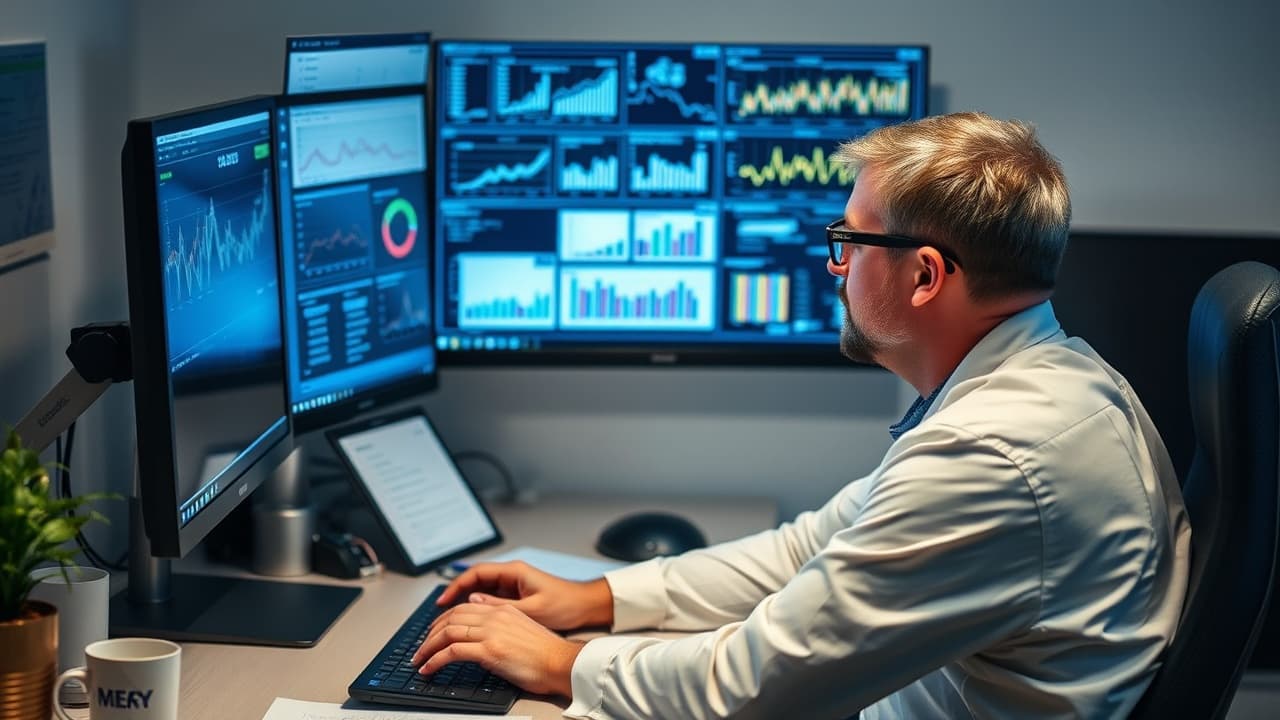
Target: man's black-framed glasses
x: 839, y: 236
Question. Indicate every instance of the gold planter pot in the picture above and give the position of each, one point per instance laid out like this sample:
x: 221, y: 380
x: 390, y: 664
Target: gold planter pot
x: 29, y: 663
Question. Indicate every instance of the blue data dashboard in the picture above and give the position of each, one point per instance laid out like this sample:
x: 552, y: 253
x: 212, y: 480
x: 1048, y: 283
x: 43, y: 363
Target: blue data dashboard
x: 216, y: 213
x: 649, y: 197
x: 354, y: 228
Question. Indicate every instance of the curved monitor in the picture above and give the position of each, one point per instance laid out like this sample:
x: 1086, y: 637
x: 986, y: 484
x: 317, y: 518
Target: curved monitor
x: 356, y: 228
x: 204, y: 309
x: 649, y: 202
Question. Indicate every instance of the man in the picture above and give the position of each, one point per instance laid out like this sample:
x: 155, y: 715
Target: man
x: 1021, y: 551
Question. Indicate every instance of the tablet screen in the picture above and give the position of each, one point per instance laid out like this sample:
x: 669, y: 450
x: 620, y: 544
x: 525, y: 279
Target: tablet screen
x: 415, y: 489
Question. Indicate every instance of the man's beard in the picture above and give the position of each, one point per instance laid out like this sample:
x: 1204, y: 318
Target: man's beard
x: 855, y: 344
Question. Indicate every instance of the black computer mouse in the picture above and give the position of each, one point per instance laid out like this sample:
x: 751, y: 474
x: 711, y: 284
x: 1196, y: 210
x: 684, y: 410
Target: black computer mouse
x: 641, y: 536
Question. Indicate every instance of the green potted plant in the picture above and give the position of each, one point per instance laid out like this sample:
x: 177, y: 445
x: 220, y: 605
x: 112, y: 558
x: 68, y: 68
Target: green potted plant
x: 34, y: 527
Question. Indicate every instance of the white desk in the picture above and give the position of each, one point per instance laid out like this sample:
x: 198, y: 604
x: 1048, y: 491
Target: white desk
x: 235, y: 681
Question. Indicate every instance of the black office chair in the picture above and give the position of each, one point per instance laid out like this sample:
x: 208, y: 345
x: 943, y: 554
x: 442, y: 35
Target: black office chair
x: 1230, y: 492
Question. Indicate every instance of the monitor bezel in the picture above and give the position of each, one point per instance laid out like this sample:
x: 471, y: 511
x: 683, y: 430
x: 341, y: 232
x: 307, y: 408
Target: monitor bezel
x: 389, y: 393
x: 694, y: 354
x: 153, y: 383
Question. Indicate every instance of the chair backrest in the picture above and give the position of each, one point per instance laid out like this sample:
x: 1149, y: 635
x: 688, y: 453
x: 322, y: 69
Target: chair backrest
x: 1230, y: 492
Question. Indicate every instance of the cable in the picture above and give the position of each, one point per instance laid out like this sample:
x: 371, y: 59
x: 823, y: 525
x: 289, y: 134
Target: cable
x: 511, y: 494
x: 63, y: 454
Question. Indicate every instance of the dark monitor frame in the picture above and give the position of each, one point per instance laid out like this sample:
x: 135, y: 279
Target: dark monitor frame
x: 152, y: 384
x: 389, y: 393
x: 693, y: 353
x: 1129, y: 293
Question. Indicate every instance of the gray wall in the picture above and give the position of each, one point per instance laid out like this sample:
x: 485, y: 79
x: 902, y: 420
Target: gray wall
x: 1164, y: 113
x: 82, y: 280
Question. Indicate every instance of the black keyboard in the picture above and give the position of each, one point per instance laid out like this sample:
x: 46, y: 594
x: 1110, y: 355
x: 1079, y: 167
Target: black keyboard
x: 390, y: 678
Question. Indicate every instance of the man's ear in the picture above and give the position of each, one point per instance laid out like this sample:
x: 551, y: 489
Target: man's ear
x: 930, y: 273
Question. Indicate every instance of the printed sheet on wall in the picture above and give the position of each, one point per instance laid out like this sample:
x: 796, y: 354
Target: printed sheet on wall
x: 26, y: 186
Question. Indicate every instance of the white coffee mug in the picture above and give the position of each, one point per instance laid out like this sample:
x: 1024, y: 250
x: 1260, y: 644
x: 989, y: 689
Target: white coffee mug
x: 128, y: 679
x: 82, y: 597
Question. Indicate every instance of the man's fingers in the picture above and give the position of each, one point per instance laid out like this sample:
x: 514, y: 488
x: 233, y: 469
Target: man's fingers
x: 456, y: 652
x: 488, y: 577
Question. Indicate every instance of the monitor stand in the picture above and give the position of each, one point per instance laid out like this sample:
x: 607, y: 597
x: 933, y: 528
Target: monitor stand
x: 214, y: 608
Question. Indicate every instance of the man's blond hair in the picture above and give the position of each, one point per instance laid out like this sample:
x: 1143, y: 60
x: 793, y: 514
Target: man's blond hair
x: 985, y: 188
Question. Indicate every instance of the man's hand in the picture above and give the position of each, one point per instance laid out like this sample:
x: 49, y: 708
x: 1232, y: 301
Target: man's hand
x: 554, y: 602
x: 504, y: 641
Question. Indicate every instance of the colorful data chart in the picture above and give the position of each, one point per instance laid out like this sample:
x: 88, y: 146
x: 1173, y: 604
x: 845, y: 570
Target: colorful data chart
x: 610, y: 298
x: 675, y: 236
x: 759, y: 298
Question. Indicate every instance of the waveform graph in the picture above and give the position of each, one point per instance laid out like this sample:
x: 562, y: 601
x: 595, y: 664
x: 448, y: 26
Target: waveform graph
x: 506, y: 291
x: 759, y: 298
x: 599, y: 235
x: 215, y: 234
x: 466, y: 94
x: 589, y: 165
x: 637, y: 298
x: 673, y: 86
x: 356, y: 140
x: 561, y: 89
x: 850, y: 94
x: 784, y: 167
x: 675, y: 236
x: 498, y: 166
x: 819, y: 85
x: 670, y: 165
x: 333, y: 231
x: 218, y: 244
x: 403, y: 310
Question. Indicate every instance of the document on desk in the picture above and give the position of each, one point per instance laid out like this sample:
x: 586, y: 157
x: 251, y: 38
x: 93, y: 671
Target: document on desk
x: 288, y: 709
x: 569, y: 567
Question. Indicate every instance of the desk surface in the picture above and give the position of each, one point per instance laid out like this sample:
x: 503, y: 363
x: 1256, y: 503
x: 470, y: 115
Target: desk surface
x: 235, y: 681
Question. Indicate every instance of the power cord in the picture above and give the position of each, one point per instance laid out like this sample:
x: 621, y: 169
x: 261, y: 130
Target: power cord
x: 63, y: 455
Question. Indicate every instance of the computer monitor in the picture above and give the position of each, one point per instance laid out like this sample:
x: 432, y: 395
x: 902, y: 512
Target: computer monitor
x: 334, y: 63
x: 356, y: 228
x: 649, y: 202
x: 210, y: 391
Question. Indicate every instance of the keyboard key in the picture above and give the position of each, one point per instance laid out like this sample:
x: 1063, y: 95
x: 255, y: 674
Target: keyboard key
x: 459, y: 693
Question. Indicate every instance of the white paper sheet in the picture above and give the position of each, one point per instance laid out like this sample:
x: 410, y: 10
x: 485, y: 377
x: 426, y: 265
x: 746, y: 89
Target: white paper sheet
x: 288, y: 709
x: 569, y: 567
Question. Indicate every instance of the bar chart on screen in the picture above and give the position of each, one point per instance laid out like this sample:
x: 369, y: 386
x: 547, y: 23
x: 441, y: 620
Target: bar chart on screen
x: 675, y: 236
x: 759, y: 298
x: 670, y: 164
x: 608, y: 298
x: 589, y: 165
x: 506, y: 290
x: 567, y: 88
